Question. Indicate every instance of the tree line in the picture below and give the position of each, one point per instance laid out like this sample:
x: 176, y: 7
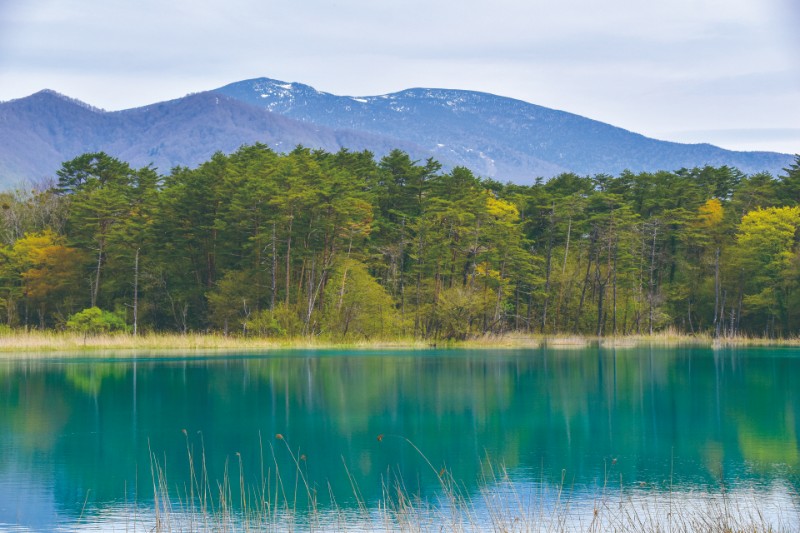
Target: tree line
x: 346, y: 246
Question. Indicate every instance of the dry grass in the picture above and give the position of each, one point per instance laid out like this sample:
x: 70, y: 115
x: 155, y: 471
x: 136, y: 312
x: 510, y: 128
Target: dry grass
x: 47, y: 343
x: 54, y: 343
x: 288, y: 501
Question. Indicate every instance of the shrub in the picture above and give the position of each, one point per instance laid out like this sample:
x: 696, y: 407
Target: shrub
x: 93, y: 321
x: 265, y: 323
x: 356, y: 305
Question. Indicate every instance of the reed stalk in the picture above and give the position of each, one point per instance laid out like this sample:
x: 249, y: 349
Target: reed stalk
x: 499, y: 504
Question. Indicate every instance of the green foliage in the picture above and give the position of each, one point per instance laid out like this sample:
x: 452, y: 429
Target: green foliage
x: 230, y: 301
x: 288, y: 320
x: 356, y: 305
x: 790, y: 182
x: 265, y: 323
x: 459, y: 312
x: 314, y: 243
x: 94, y: 321
x: 767, y: 259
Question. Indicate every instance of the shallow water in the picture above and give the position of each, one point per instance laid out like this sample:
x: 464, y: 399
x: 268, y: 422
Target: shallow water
x: 541, y: 433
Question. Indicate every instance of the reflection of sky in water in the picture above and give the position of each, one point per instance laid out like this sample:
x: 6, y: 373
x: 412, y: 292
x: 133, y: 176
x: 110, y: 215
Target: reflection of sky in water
x: 26, y: 501
x: 499, y: 507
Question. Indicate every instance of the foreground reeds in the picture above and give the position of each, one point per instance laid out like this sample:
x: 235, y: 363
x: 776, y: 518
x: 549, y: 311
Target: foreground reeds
x: 289, y: 501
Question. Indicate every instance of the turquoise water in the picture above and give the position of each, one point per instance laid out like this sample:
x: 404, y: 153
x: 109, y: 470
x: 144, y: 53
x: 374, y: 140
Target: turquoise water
x: 79, y: 440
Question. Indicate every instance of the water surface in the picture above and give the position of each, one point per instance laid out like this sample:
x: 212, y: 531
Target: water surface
x: 78, y: 438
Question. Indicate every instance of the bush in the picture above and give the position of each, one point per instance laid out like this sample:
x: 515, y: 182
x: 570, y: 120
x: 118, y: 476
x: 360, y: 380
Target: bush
x: 288, y: 319
x: 93, y: 321
x: 460, y: 309
x: 265, y: 323
x: 357, y: 306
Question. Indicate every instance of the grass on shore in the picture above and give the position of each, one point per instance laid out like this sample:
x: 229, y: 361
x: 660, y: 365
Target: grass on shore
x: 53, y: 343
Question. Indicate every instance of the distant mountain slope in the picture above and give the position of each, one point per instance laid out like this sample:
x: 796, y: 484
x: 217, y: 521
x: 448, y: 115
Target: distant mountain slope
x: 41, y: 131
x: 498, y: 137
x: 36, y: 132
x: 495, y: 136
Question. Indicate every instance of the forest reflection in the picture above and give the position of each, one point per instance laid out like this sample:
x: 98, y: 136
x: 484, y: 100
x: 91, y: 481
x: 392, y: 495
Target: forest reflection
x: 655, y: 417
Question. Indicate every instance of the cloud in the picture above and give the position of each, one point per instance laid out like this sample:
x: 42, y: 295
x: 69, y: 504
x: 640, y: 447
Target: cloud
x: 786, y: 140
x: 643, y: 65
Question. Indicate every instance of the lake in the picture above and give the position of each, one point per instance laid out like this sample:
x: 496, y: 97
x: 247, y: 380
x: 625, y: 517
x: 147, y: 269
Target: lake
x: 378, y: 440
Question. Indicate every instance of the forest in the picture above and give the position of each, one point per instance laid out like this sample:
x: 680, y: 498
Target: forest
x: 344, y: 246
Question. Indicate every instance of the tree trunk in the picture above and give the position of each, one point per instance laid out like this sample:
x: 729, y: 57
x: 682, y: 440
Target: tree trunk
x: 96, y: 285
x: 566, y: 247
x: 344, y: 276
x: 600, y: 293
x: 720, y: 322
x: 274, y: 269
x: 289, y: 259
x: 418, y: 287
x: 547, y: 270
x: 614, y: 314
x: 402, y: 273
x: 716, y: 293
x: 652, y: 278
x: 739, y: 309
x: 136, y: 294
x: 583, y: 292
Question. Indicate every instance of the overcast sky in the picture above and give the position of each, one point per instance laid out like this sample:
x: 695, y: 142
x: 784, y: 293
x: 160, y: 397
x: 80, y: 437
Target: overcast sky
x: 721, y: 71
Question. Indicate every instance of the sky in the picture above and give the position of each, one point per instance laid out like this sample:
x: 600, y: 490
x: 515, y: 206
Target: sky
x: 720, y: 71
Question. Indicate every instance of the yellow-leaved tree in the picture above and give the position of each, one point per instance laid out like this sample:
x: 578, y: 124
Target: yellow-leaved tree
x: 765, y: 249
x: 47, y: 270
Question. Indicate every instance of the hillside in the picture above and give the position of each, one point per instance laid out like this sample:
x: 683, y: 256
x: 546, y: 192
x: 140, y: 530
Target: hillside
x: 41, y: 131
x: 494, y: 136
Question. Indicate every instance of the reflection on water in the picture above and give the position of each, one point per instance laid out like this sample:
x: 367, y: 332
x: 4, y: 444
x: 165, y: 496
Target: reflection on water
x: 740, y: 510
x: 76, y: 437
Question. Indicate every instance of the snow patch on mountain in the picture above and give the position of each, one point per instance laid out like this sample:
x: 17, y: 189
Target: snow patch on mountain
x: 499, y: 137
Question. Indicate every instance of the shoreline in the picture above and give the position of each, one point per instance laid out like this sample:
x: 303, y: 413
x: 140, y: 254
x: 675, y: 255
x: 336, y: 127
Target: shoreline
x: 53, y: 344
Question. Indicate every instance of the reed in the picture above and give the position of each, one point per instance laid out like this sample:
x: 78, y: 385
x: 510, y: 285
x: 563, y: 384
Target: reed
x: 287, y: 501
x: 48, y: 343
x: 56, y: 343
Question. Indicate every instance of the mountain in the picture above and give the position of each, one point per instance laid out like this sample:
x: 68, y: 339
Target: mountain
x: 37, y: 132
x: 40, y: 132
x: 495, y: 136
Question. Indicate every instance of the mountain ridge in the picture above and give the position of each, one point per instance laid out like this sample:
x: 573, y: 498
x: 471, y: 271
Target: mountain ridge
x: 41, y: 131
x: 495, y: 136
x: 526, y: 133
